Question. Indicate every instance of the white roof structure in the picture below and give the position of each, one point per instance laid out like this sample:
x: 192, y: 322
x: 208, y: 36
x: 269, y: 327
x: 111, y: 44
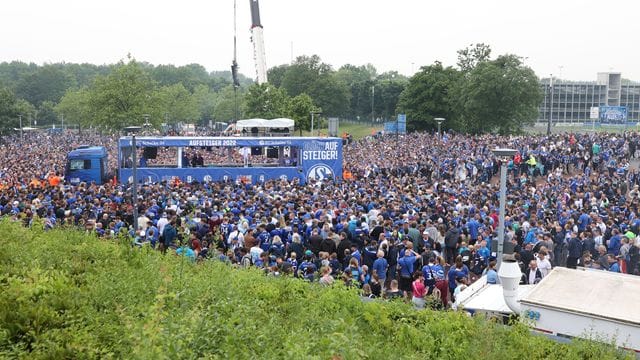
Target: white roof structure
x: 483, y: 297
x: 593, y: 293
x: 262, y: 123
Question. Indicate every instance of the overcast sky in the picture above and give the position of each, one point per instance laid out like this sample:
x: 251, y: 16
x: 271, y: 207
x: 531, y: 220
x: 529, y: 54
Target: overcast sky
x: 571, y: 38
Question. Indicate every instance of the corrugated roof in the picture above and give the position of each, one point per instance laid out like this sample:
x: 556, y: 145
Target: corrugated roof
x: 590, y: 292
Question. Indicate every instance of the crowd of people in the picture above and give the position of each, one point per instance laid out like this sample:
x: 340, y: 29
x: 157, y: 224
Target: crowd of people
x: 416, y: 220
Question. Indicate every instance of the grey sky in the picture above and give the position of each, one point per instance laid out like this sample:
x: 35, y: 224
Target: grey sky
x: 571, y: 37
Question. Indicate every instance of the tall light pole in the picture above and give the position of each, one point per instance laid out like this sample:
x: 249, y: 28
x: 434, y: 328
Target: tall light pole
x: 397, y: 128
x: 134, y: 189
x: 21, y: 134
x: 373, y: 99
x: 313, y: 113
x: 504, y: 155
x: 439, y: 120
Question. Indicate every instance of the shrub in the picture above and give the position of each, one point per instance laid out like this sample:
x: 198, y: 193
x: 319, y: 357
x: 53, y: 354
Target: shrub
x: 64, y: 294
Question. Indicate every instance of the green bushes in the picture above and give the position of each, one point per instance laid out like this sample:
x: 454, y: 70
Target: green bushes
x: 64, y: 294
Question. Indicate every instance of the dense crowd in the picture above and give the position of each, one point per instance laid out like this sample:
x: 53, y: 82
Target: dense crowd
x: 416, y: 220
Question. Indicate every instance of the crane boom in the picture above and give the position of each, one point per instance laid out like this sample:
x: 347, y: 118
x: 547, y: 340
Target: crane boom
x: 257, y: 38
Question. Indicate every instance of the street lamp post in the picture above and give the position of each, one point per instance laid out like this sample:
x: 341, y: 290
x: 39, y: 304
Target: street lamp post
x: 313, y: 113
x: 134, y: 167
x: 439, y: 120
x: 504, y: 155
x: 21, y: 134
x: 373, y: 99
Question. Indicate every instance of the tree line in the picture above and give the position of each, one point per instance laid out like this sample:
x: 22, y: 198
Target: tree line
x: 479, y: 94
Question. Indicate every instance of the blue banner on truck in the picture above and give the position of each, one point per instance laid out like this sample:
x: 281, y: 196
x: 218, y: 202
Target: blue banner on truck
x: 308, y: 158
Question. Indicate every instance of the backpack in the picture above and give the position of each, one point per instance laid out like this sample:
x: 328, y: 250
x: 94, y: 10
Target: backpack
x: 478, y: 264
x: 247, y: 256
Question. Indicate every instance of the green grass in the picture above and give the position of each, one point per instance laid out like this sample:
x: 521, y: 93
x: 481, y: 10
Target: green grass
x: 68, y: 295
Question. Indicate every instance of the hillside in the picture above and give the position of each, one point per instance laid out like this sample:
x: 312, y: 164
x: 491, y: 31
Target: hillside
x: 64, y: 294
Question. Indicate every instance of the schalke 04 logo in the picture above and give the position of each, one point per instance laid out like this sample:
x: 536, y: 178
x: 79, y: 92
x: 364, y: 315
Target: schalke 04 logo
x: 320, y: 172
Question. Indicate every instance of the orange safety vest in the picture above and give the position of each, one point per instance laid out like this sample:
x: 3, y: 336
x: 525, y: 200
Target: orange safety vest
x: 54, y: 180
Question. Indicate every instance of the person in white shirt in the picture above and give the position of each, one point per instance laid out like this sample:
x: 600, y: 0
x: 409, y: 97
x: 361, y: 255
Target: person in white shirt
x: 543, y: 263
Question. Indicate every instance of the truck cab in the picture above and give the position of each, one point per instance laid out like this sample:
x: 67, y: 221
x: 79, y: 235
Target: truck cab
x: 87, y: 164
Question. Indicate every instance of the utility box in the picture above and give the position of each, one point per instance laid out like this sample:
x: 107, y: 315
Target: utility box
x: 333, y: 126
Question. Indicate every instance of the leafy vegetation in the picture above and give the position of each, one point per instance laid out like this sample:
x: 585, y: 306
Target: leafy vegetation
x: 481, y: 95
x: 65, y: 294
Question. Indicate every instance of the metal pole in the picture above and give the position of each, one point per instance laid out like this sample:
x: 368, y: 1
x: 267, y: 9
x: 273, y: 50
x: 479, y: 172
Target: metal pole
x: 311, y: 123
x: 550, y: 104
x: 21, y: 135
x: 397, y: 129
x: 439, y: 134
x: 503, y: 195
x: 134, y: 189
x: 235, y: 104
x: 373, y: 99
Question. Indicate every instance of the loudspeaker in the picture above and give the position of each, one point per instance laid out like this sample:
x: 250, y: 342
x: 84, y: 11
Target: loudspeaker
x: 256, y: 150
x: 150, y: 152
x: 272, y: 152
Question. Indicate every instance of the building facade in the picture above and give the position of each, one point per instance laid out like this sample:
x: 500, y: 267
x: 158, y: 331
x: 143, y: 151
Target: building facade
x: 571, y: 101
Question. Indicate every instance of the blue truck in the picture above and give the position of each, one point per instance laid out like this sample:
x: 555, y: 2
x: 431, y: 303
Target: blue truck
x: 87, y: 164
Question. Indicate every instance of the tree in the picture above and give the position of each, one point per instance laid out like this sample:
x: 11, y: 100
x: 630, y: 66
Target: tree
x: 121, y: 98
x: 11, y: 73
x: 189, y: 76
x: 177, y: 104
x: 48, y: 83
x: 27, y: 110
x: 429, y: 95
x: 331, y: 95
x: 46, y: 114
x: 500, y: 95
x: 205, y: 101
x: 299, y: 109
x: 389, y: 86
x: 276, y: 74
x: 8, y: 111
x: 74, y: 107
x: 473, y: 55
x: 359, y: 80
x: 308, y: 74
x: 226, y: 104
x: 266, y: 101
